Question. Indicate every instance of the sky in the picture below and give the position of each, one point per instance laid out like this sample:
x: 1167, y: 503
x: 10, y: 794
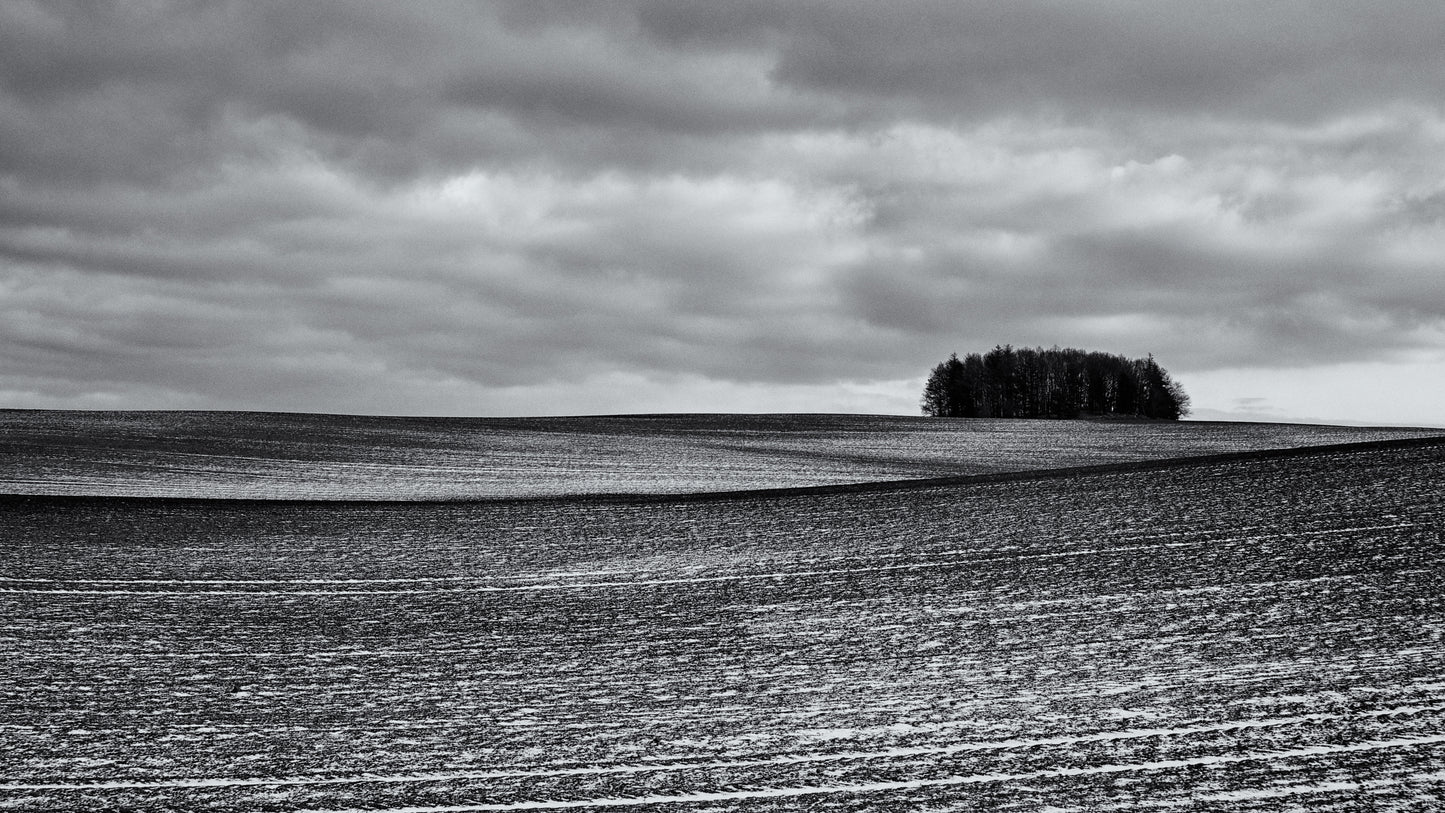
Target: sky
x: 534, y: 207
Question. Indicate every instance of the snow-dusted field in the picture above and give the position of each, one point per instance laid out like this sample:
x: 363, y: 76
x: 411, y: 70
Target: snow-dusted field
x: 1256, y: 634
x: 290, y: 456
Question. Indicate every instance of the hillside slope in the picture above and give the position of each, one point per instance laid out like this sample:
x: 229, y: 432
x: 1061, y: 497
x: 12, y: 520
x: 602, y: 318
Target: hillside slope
x: 1243, y: 635
x: 295, y: 456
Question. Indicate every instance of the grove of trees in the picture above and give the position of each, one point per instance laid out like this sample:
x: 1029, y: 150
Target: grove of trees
x: 1008, y: 382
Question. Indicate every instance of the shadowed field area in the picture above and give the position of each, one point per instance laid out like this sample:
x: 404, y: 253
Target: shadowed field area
x: 1248, y: 634
x: 295, y: 456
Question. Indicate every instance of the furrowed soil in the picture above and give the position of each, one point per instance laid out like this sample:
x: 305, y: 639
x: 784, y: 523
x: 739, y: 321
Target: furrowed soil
x: 1256, y: 633
x: 295, y: 456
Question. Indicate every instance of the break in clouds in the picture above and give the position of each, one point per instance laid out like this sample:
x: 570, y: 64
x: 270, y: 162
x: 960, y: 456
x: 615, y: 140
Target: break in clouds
x: 533, y: 207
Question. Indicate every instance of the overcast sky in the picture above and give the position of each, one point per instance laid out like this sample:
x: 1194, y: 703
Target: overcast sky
x: 552, y: 208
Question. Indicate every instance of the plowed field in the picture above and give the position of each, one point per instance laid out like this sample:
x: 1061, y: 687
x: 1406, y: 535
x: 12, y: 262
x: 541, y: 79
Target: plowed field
x: 1254, y: 634
x: 293, y: 456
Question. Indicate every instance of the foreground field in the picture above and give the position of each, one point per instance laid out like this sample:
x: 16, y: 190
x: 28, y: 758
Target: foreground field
x: 291, y: 456
x: 1245, y: 635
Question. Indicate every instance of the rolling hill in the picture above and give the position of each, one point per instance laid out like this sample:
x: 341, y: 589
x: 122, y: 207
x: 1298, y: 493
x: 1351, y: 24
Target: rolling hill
x: 1256, y: 632
x: 296, y: 456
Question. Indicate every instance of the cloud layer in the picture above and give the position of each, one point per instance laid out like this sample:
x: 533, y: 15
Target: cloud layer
x: 556, y: 207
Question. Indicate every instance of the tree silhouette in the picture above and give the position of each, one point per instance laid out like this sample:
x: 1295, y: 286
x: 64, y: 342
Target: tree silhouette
x: 1008, y: 382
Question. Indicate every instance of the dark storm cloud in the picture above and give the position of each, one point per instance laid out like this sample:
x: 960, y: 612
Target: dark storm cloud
x: 463, y: 206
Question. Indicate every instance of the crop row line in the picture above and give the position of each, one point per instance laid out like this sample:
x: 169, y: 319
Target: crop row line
x: 919, y: 784
x: 776, y: 576
x: 491, y: 651
x: 786, y: 759
x: 1001, y: 556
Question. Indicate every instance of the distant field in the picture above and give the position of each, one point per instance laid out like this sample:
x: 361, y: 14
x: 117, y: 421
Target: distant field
x: 291, y: 456
x: 1246, y: 635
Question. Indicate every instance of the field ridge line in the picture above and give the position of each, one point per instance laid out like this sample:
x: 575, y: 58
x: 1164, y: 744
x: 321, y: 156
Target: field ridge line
x: 1020, y: 475
x: 779, y: 492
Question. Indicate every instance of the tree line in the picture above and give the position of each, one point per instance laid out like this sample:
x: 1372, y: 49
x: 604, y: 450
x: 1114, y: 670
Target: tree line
x: 1009, y: 382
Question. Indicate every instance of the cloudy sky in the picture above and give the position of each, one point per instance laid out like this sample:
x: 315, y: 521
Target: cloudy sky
x: 530, y: 207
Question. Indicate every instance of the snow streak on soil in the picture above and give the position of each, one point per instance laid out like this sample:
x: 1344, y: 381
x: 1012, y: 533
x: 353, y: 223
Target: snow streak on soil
x: 1242, y: 636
